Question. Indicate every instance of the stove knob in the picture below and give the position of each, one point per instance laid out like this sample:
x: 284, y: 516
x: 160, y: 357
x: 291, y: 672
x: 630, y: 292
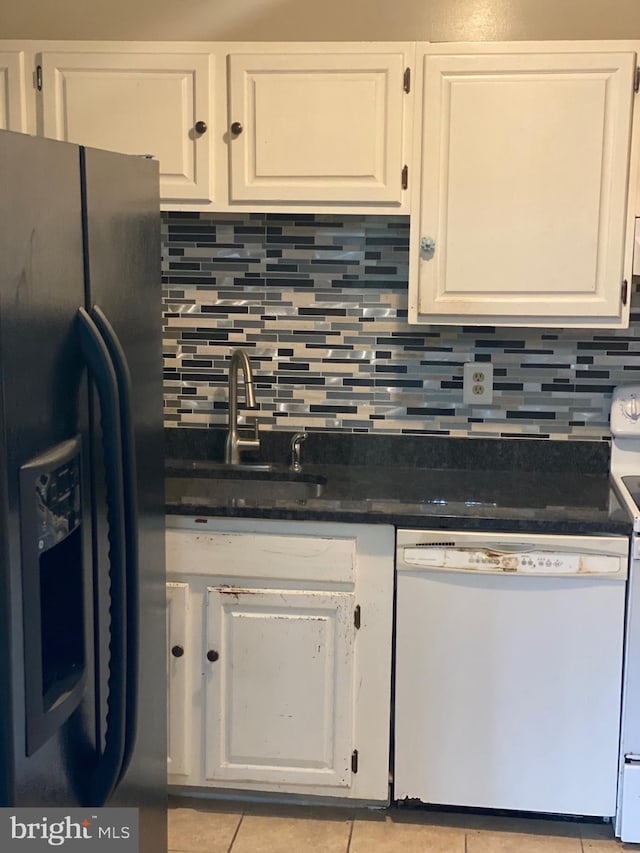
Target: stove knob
x: 631, y: 408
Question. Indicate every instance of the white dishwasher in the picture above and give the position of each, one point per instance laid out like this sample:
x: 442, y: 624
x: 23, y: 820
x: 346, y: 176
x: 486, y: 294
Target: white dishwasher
x: 508, y: 670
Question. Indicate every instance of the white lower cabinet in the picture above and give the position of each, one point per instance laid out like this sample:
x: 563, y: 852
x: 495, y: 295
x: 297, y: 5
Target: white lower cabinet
x: 178, y: 730
x: 284, y: 684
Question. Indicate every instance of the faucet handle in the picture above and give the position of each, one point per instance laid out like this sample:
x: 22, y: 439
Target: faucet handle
x: 250, y: 427
x: 249, y: 438
x: 296, y: 441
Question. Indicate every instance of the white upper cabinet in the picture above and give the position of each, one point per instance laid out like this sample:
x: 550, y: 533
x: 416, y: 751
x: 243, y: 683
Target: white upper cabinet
x: 522, y: 216
x: 321, y: 127
x: 12, y: 94
x: 136, y: 102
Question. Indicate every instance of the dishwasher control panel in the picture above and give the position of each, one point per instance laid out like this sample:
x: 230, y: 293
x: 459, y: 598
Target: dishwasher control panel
x: 486, y: 559
x: 543, y: 554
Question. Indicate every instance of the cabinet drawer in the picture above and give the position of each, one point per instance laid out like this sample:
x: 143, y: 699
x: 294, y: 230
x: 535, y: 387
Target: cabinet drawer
x: 272, y: 556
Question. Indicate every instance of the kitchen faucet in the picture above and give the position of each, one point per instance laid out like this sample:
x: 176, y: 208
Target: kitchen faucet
x: 234, y: 444
x: 296, y: 441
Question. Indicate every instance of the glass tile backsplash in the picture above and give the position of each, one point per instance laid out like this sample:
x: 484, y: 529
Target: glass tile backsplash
x: 320, y: 304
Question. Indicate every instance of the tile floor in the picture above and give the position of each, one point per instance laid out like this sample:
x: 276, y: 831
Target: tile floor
x: 211, y: 826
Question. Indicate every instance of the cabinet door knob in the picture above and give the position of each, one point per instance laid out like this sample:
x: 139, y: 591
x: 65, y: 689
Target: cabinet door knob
x: 236, y: 128
x: 428, y: 246
x: 201, y: 127
x: 177, y: 651
x: 212, y: 655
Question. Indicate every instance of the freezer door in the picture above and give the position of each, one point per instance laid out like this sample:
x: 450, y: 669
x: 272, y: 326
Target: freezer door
x: 43, y: 401
x: 122, y: 244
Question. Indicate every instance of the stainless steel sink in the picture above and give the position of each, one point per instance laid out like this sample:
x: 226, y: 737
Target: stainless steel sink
x: 224, y: 469
x: 246, y: 490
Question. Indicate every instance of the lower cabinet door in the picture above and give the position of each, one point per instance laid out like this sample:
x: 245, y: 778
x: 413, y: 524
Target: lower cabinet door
x: 279, y: 686
x: 178, y: 704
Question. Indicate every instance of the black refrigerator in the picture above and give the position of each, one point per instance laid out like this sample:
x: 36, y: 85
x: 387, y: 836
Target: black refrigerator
x: 82, y: 590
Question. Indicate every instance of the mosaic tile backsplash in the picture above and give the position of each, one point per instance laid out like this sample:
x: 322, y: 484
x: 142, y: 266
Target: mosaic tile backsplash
x: 320, y: 304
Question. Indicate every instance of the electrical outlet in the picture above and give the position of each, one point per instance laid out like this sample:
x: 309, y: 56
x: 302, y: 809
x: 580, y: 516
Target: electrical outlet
x: 477, y: 382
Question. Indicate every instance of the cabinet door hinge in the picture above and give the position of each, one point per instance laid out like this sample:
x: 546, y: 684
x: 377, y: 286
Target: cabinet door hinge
x: 625, y: 291
x: 356, y: 617
x: 636, y: 83
x: 354, y: 761
x: 405, y: 177
x: 406, y: 80
x: 39, y: 78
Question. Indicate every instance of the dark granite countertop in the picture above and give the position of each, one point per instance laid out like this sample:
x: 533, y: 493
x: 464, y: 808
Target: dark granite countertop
x: 424, y: 482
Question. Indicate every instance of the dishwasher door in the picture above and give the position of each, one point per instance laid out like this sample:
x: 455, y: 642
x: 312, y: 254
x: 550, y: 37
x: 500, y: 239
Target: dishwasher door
x: 509, y: 670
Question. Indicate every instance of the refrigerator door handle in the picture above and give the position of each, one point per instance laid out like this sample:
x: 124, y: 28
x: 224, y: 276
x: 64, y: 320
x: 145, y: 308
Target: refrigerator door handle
x: 123, y: 377
x: 106, y: 773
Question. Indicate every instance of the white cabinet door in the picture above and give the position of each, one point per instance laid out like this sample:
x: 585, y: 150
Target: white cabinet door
x: 12, y: 95
x: 636, y: 248
x: 525, y: 161
x: 136, y: 103
x: 316, y: 127
x: 179, y: 659
x: 279, y: 691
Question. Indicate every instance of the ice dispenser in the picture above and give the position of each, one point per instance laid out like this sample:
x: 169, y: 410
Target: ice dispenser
x: 53, y: 588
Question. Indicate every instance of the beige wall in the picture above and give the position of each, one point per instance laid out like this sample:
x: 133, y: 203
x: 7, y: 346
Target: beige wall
x: 304, y: 20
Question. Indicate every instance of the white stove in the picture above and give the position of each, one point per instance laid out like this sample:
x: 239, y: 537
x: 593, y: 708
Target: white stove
x: 625, y: 474
x: 625, y: 448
